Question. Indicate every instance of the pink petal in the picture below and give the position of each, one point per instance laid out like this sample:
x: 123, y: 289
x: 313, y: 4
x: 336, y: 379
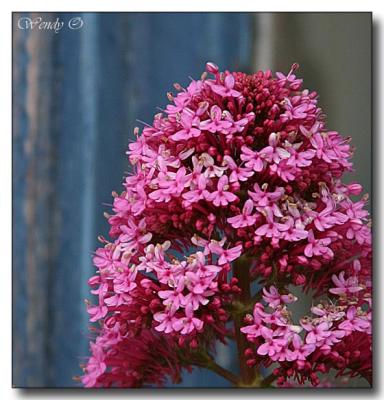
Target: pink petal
x: 229, y: 81
x: 248, y: 207
x: 263, y: 349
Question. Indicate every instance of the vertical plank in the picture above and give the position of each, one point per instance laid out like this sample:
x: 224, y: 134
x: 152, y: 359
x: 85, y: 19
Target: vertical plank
x: 34, y: 248
x: 76, y: 64
x: 19, y: 120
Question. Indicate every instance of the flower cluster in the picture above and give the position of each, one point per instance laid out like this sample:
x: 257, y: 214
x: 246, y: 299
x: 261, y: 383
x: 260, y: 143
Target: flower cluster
x: 134, y: 361
x: 236, y: 181
x: 318, y: 343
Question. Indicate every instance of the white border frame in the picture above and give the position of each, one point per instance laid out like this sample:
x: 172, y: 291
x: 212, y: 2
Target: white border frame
x: 5, y: 178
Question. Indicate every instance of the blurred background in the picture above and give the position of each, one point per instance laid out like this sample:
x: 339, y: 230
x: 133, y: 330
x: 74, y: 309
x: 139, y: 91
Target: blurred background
x: 76, y: 97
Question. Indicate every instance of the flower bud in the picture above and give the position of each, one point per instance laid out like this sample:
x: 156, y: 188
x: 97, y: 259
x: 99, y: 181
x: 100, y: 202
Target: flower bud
x: 212, y: 68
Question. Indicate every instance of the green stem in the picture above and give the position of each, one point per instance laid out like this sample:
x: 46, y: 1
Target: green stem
x: 241, y: 272
x: 219, y: 370
x: 266, y: 382
x: 204, y: 360
x: 249, y: 376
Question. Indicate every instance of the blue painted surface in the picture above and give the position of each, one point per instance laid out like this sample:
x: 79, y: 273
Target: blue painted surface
x: 71, y: 130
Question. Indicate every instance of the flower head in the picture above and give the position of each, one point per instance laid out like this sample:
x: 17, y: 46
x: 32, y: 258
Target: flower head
x: 237, y: 184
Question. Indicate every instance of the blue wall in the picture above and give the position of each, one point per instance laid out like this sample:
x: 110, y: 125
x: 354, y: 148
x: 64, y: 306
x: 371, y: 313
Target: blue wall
x: 77, y: 95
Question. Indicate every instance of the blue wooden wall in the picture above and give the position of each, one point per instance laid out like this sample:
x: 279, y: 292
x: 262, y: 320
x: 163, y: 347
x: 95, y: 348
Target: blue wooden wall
x: 76, y: 97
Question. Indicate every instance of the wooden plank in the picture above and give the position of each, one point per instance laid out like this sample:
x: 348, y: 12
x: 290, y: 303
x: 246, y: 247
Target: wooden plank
x: 77, y: 93
x: 34, y: 217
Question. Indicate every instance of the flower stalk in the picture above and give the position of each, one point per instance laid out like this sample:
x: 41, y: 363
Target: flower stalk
x: 204, y: 360
x: 241, y: 272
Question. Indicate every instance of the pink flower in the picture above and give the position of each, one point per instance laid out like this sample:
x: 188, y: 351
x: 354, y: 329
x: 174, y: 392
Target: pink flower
x: 300, y: 158
x: 200, y: 193
x: 103, y: 258
x: 97, y: 312
x: 95, y: 367
x: 345, y: 286
x: 290, y: 79
x: 133, y: 236
x: 274, y: 153
x: 266, y: 200
x: 340, y: 147
x: 327, y: 218
x: 301, y: 351
x: 317, y: 333
x: 244, y: 219
x: 252, y: 331
x: 295, y: 232
x: 237, y: 173
x: 354, y: 322
x: 272, y: 345
x: 216, y: 123
x: 189, y: 130
x: 212, y: 170
x: 221, y: 197
x: 274, y: 299
x: 198, y: 283
x: 184, y: 98
x: 229, y: 255
x: 160, y: 158
x: 322, y: 151
x: 355, y: 210
x: 201, y: 287
x: 271, y: 228
x: 226, y: 90
x: 188, y: 323
x: 117, y: 300
x: 124, y: 282
x: 318, y: 247
x: 171, y: 184
x: 166, y: 322
x: 359, y: 232
x: 252, y: 159
x: 173, y: 298
x: 226, y: 255
x: 315, y: 128
x: 283, y: 170
x: 294, y: 112
x: 239, y: 125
